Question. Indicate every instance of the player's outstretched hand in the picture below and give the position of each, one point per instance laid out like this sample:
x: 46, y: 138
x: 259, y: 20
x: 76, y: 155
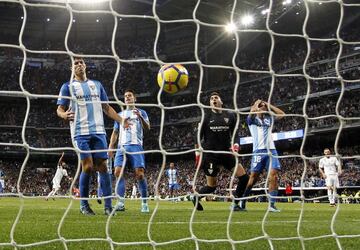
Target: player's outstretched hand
x: 136, y: 112
x: 68, y: 115
x: 127, y: 122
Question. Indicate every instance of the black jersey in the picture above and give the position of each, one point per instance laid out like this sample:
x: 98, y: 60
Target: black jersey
x: 217, y: 130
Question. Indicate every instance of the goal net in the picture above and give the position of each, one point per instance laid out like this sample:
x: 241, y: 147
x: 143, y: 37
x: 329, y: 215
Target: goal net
x: 302, y: 56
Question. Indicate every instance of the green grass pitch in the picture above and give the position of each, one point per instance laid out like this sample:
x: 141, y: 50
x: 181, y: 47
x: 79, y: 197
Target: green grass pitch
x: 40, y: 219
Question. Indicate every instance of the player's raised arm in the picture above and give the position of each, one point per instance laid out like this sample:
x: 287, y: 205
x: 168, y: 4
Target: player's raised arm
x: 145, y: 123
x: 61, y: 158
x: 279, y: 113
x: 255, y: 108
x: 113, y: 140
x: 110, y: 112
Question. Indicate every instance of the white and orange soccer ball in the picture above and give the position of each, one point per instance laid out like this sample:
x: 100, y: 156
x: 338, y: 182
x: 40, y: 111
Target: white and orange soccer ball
x: 174, y: 77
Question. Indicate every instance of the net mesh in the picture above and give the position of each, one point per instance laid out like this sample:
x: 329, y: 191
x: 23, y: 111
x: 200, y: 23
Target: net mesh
x: 235, y: 68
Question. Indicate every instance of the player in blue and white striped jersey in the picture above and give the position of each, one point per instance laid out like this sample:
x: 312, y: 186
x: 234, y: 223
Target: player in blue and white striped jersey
x: 81, y: 103
x: 131, y: 138
x: 259, y: 123
x: 171, y: 173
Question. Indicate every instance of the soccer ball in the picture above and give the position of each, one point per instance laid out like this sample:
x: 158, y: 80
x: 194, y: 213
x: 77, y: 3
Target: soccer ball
x: 174, y: 77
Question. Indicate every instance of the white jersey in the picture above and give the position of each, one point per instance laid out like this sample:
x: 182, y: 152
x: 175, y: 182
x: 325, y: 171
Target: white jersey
x: 133, y: 135
x: 329, y: 165
x: 172, y: 176
x: 60, y: 173
x: 87, y: 107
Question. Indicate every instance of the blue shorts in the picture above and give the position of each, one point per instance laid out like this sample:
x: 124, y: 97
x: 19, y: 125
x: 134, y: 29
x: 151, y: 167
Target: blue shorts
x: 174, y: 186
x: 92, y: 142
x: 135, y: 160
x: 262, y: 161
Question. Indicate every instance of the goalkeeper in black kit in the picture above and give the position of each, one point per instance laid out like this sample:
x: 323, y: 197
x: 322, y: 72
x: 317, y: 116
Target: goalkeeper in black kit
x: 216, y: 134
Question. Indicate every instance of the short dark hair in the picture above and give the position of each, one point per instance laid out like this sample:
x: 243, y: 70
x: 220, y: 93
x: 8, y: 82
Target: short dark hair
x: 78, y: 58
x: 215, y: 93
x: 129, y: 90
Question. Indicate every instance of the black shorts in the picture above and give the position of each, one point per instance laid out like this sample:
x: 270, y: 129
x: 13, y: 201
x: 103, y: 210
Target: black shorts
x: 211, y: 163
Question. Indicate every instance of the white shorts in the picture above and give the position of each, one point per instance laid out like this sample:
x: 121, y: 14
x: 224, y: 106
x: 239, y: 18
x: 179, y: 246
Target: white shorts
x: 332, y: 181
x: 56, y: 185
x: 2, y: 183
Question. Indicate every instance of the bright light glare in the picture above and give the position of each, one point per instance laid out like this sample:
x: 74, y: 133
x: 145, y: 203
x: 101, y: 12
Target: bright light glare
x: 230, y: 27
x: 247, y: 20
x: 264, y: 12
x: 285, y: 2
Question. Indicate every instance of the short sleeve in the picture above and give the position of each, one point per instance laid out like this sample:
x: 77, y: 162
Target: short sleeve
x: 321, y: 165
x: 337, y: 162
x: 116, y: 124
x: 250, y: 120
x: 64, y: 92
x: 103, y: 95
x: 144, y: 115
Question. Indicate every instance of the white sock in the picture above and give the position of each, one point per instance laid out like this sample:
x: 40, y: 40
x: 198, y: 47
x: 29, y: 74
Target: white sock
x: 50, y: 194
x: 330, y: 195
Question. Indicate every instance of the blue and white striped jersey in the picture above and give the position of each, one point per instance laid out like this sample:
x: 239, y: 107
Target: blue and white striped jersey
x: 260, y: 130
x: 172, y: 175
x: 132, y: 135
x: 87, y: 107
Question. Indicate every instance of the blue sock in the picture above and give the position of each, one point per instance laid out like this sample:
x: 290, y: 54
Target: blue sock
x: 84, y: 188
x: 273, y: 199
x: 105, y: 184
x: 143, y: 189
x: 121, y: 188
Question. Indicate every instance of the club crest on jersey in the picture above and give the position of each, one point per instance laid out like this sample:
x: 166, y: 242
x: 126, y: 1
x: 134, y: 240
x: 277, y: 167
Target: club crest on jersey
x: 267, y: 122
x: 210, y: 169
x: 92, y: 87
x: 226, y: 120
